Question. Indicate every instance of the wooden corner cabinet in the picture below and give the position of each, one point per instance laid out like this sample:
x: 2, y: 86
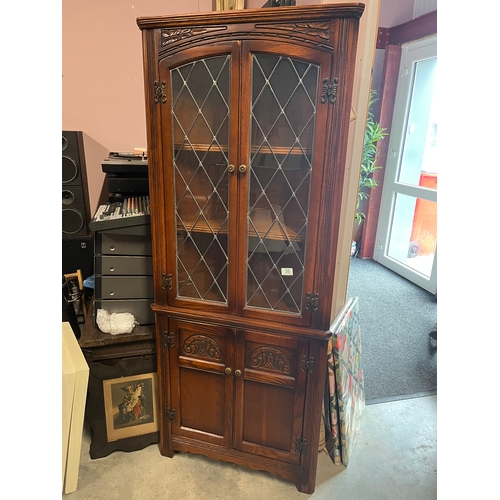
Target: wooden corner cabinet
x: 247, y: 122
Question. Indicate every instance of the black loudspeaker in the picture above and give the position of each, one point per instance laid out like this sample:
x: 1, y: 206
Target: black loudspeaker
x: 78, y: 253
x: 75, y: 195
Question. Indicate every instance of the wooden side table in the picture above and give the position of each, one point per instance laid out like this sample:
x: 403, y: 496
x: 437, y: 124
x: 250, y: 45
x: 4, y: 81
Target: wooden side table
x: 122, y: 399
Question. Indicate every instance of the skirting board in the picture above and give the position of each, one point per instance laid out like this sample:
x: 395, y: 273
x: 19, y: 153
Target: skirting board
x: 75, y: 378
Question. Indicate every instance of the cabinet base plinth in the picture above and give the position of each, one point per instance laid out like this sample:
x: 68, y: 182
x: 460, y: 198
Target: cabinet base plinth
x: 293, y: 473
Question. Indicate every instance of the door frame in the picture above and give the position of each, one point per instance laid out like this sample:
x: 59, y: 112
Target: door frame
x: 413, y: 52
x: 390, y: 40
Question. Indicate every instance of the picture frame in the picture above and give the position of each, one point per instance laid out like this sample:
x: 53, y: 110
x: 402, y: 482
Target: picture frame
x: 106, y: 372
x: 229, y: 5
x: 130, y: 406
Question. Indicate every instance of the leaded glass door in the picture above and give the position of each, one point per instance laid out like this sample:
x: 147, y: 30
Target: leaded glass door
x: 197, y: 162
x: 283, y: 166
x: 244, y: 161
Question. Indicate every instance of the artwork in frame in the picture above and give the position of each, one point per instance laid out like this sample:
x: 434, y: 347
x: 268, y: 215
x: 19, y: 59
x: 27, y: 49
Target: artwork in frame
x: 229, y: 4
x: 345, y: 387
x: 116, y: 369
x: 130, y: 406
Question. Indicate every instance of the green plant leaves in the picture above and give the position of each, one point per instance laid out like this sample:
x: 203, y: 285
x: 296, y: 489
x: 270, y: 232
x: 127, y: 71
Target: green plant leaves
x: 373, y: 133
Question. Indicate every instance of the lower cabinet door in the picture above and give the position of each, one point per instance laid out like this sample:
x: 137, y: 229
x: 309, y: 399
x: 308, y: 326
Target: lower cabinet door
x: 201, y: 381
x: 238, y: 389
x: 269, y: 395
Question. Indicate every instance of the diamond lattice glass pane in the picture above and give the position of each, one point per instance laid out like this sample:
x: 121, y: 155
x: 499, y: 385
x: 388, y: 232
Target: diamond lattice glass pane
x: 283, y: 113
x: 200, y: 125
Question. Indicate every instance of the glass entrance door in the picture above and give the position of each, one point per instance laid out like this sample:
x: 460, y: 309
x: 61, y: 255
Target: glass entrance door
x: 407, y: 228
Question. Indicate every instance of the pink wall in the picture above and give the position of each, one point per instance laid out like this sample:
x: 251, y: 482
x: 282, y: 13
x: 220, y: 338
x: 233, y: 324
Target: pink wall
x: 395, y: 12
x: 102, y: 84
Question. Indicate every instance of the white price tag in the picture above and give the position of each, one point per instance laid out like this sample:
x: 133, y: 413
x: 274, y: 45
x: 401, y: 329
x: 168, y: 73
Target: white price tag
x: 286, y: 271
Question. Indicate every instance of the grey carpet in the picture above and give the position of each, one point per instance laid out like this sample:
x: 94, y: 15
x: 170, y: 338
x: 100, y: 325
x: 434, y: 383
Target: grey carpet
x: 396, y: 316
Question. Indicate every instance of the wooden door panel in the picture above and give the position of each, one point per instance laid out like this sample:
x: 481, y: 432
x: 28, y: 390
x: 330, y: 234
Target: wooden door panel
x: 203, y: 413
x: 268, y: 419
x: 201, y: 390
x: 270, y: 393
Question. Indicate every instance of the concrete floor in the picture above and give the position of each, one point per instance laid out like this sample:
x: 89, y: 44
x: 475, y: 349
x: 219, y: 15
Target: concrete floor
x: 394, y: 458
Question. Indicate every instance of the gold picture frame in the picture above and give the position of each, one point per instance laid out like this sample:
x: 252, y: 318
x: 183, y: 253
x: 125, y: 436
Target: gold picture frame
x: 130, y: 406
x: 230, y: 4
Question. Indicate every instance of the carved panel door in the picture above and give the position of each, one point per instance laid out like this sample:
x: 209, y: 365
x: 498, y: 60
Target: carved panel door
x: 270, y: 395
x: 201, y: 390
x: 238, y: 389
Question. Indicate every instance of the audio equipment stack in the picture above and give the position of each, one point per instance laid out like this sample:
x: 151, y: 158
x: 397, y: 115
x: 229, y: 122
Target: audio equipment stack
x: 123, y: 280
x: 127, y: 175
x: 129, y: 212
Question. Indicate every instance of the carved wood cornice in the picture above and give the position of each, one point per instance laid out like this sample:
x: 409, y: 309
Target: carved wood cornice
x: 286, y: 14
x: 320, y: 30
x: 169, y: 36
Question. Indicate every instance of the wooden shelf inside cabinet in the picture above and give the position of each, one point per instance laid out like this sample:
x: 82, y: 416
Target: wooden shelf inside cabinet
x: 280, y: 150
x: 277, y: 150
x: 261, y: 229
x: 202, y: 226
x: 212, y: 148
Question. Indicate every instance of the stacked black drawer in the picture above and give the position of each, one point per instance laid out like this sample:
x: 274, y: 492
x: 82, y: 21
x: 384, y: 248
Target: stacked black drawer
x: 124, y: 272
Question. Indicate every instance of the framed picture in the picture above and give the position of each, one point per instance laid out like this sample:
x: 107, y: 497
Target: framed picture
x: 105, y: 395
x: 229, y: 4
x: 130, y: 406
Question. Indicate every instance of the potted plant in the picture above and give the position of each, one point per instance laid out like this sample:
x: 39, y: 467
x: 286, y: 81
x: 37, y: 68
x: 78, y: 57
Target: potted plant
x: 373, y: 133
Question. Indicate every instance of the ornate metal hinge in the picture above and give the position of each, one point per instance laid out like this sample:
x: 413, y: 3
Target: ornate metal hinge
x: 329, y: 91
x: 312, y: 302
x: 170, y: 415
x: 160, y: 92
x: 168, y: 340
x: 166, y: 282
x: 300, y: 445
x: 307, y: 364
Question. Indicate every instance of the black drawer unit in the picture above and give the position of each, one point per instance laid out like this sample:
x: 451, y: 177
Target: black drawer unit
x: 124, y: 265
x: 124, y: 287
x: 124, y: 272
x: 134, y: 240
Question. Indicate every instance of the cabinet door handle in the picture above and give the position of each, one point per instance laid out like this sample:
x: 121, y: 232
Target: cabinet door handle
x: 230, y: 168
x: 237, y: 373
x: 228, y: 371
x: 242, y: 168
